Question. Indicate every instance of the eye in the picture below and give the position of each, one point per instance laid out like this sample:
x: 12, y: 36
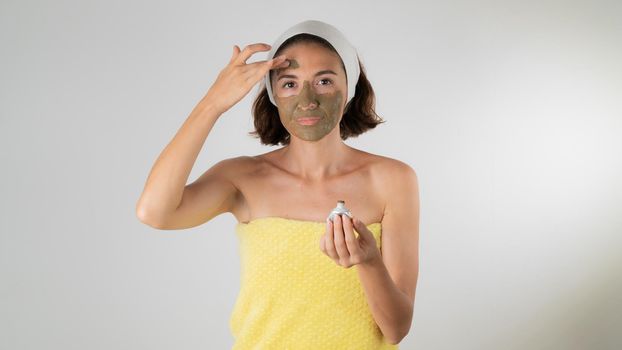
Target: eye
x: 285, y: 84
x: 328, y: 80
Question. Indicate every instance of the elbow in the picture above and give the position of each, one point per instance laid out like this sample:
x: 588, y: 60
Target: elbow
x: 142, y: 215
x: 393, y: 341
x: 396, y: 339
x: 146, y: 218
x: 141, y: 211
x: 401, y: 332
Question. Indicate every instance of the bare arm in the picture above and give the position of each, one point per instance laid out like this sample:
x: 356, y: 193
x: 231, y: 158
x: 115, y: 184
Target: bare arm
x: 167, y: 202
x: 166, y: 183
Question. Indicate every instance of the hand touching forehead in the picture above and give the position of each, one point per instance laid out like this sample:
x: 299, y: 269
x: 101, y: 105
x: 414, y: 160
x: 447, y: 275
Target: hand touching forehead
x: 314, y: 63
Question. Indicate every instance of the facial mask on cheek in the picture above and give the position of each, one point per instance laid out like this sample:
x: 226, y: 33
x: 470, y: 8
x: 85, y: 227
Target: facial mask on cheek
x: 328, y: 109
x: 344, y: 49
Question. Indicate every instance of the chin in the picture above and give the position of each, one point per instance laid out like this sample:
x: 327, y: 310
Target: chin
x: 311, y: 139
x: 308, y: 138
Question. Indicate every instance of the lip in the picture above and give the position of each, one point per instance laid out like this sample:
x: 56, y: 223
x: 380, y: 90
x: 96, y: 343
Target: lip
x: 308, y: 120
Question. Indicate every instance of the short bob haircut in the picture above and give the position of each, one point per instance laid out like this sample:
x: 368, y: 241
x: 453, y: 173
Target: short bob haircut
x: 358, y: 117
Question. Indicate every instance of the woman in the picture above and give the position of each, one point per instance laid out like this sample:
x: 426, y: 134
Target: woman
x: 298, y: 290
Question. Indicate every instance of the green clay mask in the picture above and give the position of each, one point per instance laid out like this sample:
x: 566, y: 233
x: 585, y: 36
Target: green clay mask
x: 310, y: 103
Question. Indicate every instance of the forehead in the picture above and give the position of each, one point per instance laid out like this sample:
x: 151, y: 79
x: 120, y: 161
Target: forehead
x: 310, y: 56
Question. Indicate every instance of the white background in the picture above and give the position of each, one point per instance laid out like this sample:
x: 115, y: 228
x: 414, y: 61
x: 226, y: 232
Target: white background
x: 509, y: 111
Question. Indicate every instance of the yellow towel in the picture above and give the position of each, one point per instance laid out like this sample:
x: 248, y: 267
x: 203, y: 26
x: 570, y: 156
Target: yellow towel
x: 293, y: 296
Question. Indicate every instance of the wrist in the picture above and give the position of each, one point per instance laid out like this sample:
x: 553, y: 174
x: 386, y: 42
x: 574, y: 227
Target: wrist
x: 374, y: 262
x: 208, y: 103
x: 207, y: 107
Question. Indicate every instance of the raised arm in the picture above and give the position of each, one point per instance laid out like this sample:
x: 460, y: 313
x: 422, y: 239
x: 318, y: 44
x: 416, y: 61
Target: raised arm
x: 166, y: 201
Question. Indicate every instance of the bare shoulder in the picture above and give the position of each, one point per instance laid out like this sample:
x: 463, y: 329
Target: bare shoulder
x: 237, y: 169
x: 388, y: 175
x: 235, y: 165
x: 385, y: 168
x: 394, y: 167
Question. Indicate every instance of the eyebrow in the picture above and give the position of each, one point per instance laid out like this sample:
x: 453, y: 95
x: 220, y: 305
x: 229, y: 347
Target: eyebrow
x: 326, y: 71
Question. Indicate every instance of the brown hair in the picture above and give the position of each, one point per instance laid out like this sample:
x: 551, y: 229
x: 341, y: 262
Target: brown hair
x: 358, y: 116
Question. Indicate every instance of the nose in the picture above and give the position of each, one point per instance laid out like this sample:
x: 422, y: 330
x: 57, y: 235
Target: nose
x: 308, y: 98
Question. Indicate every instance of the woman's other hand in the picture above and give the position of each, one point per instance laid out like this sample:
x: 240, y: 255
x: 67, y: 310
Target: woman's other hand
x: 340, y: 244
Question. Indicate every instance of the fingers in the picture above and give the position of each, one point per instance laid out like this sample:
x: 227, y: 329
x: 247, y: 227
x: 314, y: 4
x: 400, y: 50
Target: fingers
x: 329, y: 241
x: 260, y: 68
x: 236, y: 52
x: 351, y: 240
x: 364, y: 233
x: 340, y: 244
x: 249, y: 50
x: 278, y: 62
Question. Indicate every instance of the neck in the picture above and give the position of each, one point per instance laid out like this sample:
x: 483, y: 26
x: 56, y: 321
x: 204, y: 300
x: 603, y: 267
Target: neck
x: 315, y: 160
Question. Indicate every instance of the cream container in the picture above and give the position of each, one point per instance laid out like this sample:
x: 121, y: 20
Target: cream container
x: 339, y: 209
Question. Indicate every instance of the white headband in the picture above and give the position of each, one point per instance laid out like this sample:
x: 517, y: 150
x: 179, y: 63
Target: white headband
x: 331, y: 34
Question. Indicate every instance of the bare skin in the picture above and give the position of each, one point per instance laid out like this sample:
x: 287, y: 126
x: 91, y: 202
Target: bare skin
x: 304, y: 179
x: 268, y: 188
x: 301, y: 181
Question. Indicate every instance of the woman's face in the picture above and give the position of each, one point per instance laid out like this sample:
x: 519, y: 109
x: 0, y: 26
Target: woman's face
x: 310, y: 93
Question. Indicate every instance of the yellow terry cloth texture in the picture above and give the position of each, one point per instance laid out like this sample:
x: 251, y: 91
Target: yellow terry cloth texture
x: 293, y: 296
